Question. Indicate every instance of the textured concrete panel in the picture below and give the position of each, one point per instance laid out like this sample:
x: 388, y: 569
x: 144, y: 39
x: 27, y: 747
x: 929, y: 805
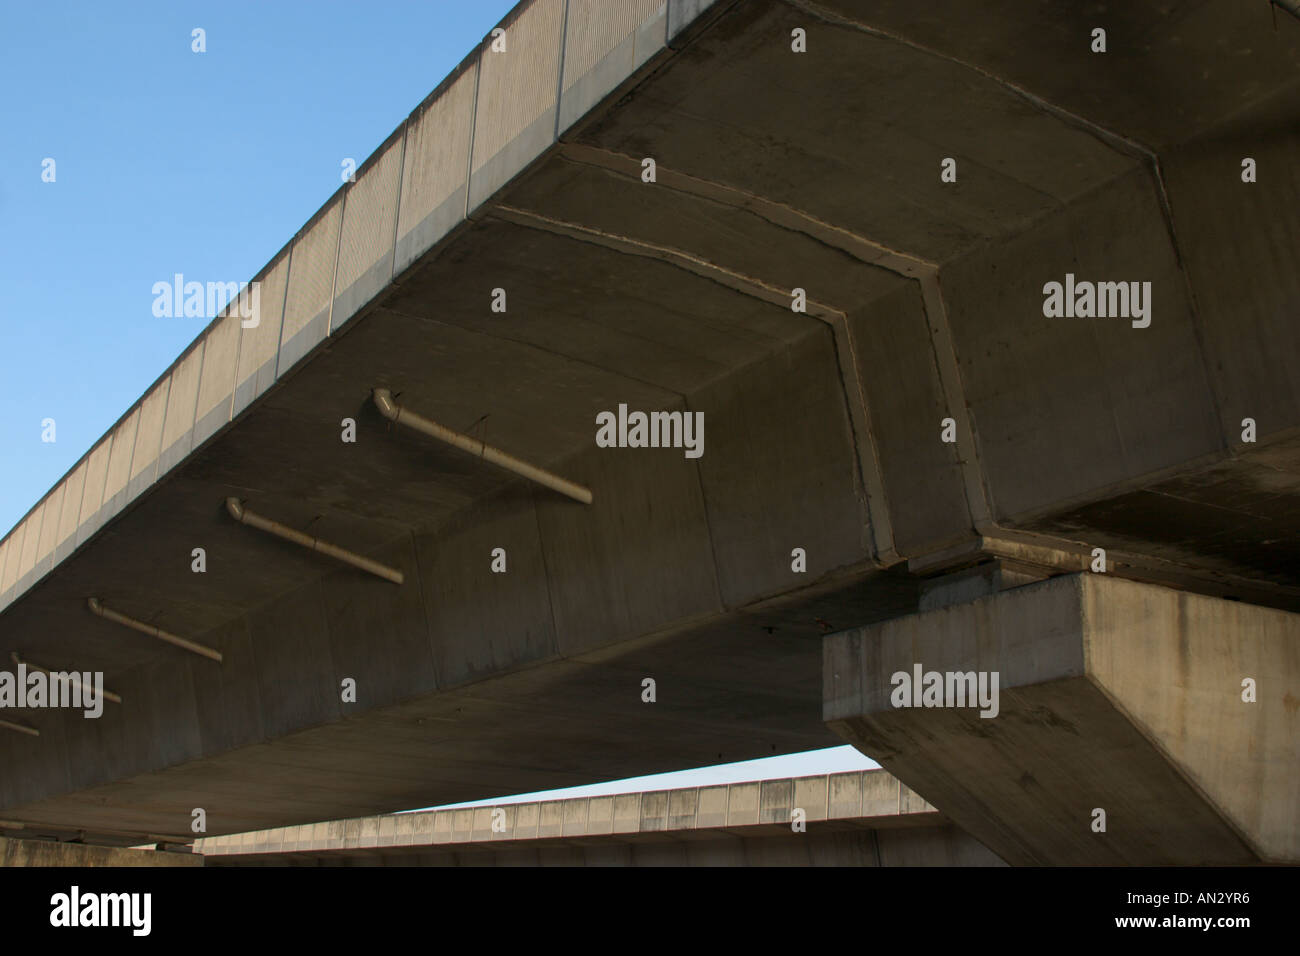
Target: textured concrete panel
x: 514, y: 117
x: 1247, y: 287
x: 435, y: 170
x: 682, y: 807
x: 92, y: 498
x: 50, y: 529
x: 311, y: 286
x: 575, y: 816
x: 711, y: 807
x: 844, y: 794
x: 148, y: 439
x: 296, y: 673
x: 900, y: 380
x: 810, y: 795
x: 654, y: 811
x: 880, y: 794
x: 46, y: 853
x: 13, y: 555
x: 602, y: 591
x: 1066, y: 407
x: 226, y: 697
x: 217, y: 379
x: 378, y: 632
x: 775, y: 801
x: 551, y: 821
x: 527, y: 818
x: 259, y: 345
x: 43, y: 759
x: 480, y: 621
x: 366, y: 245
x: 600, y: 815
x: 74, y: 491
x: 627, y: 812
x: 601, y: 49
x: 778, y: 444
x: 182, y: 401
x: 31, y: 542
x: 743, y: 804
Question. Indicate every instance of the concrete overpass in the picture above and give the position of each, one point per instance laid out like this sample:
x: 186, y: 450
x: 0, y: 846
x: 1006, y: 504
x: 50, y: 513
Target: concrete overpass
x: 923, y: 319
x: 849, y: 819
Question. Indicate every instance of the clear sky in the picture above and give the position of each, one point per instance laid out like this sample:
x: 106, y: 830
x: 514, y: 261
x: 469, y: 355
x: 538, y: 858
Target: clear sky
x: 171, y: 161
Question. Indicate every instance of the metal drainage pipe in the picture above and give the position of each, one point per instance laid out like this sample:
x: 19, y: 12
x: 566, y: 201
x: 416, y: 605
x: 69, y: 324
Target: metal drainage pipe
x: 383, y: 399
x: 110, y: 615
x: 254, y: 520
x: 31, y: 731
x: 108, y: 694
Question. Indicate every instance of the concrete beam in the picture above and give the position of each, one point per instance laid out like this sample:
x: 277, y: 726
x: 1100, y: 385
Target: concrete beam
x: 47, y: 853
x: 1114, y: 696
x: 860, y: 818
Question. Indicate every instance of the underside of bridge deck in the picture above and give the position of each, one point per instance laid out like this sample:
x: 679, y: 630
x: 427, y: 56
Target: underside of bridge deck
x: 881, y: 393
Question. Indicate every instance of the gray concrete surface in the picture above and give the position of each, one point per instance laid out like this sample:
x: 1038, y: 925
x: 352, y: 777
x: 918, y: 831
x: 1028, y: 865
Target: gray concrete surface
x: 47, y: 853
x: 1115, y: 695
x: 849, y: 819
x: 776, y: 170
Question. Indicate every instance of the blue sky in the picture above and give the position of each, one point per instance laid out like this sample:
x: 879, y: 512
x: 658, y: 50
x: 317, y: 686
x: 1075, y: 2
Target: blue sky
x: 166, y: 161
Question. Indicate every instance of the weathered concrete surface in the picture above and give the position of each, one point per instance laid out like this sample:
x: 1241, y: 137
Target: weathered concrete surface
x: 50, y: 853
x: 1113, y: 695
x: 775, y: 171
x: 850, y: 819
x: 940, y: 845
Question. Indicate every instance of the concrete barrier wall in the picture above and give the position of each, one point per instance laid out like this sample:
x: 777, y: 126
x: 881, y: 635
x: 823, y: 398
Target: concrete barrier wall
x: 435, y: 168
x: 73, y: 495
x: 365, y: 260
x: 259, y: 345
x: 49, y: 853
x: 148, y: 439
x: 514, y: 116
x: 214, y: 402
x: 92, y: 498
x: 870, y: 797
x: 49, y: 530
x: 604, y: 42
x: 311, y: 286
x: 182, y: 400
x: 914, y: 846
x: 119, y: 466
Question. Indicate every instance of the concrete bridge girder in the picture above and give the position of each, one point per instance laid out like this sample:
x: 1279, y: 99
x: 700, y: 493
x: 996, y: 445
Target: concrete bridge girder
x: 924, y: 302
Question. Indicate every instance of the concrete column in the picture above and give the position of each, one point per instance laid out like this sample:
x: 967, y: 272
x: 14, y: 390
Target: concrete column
x: 1112, y: 697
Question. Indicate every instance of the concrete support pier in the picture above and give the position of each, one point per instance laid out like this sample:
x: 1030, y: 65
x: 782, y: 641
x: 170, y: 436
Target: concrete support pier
x: 49, y: 853
x: 1119, y: 704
